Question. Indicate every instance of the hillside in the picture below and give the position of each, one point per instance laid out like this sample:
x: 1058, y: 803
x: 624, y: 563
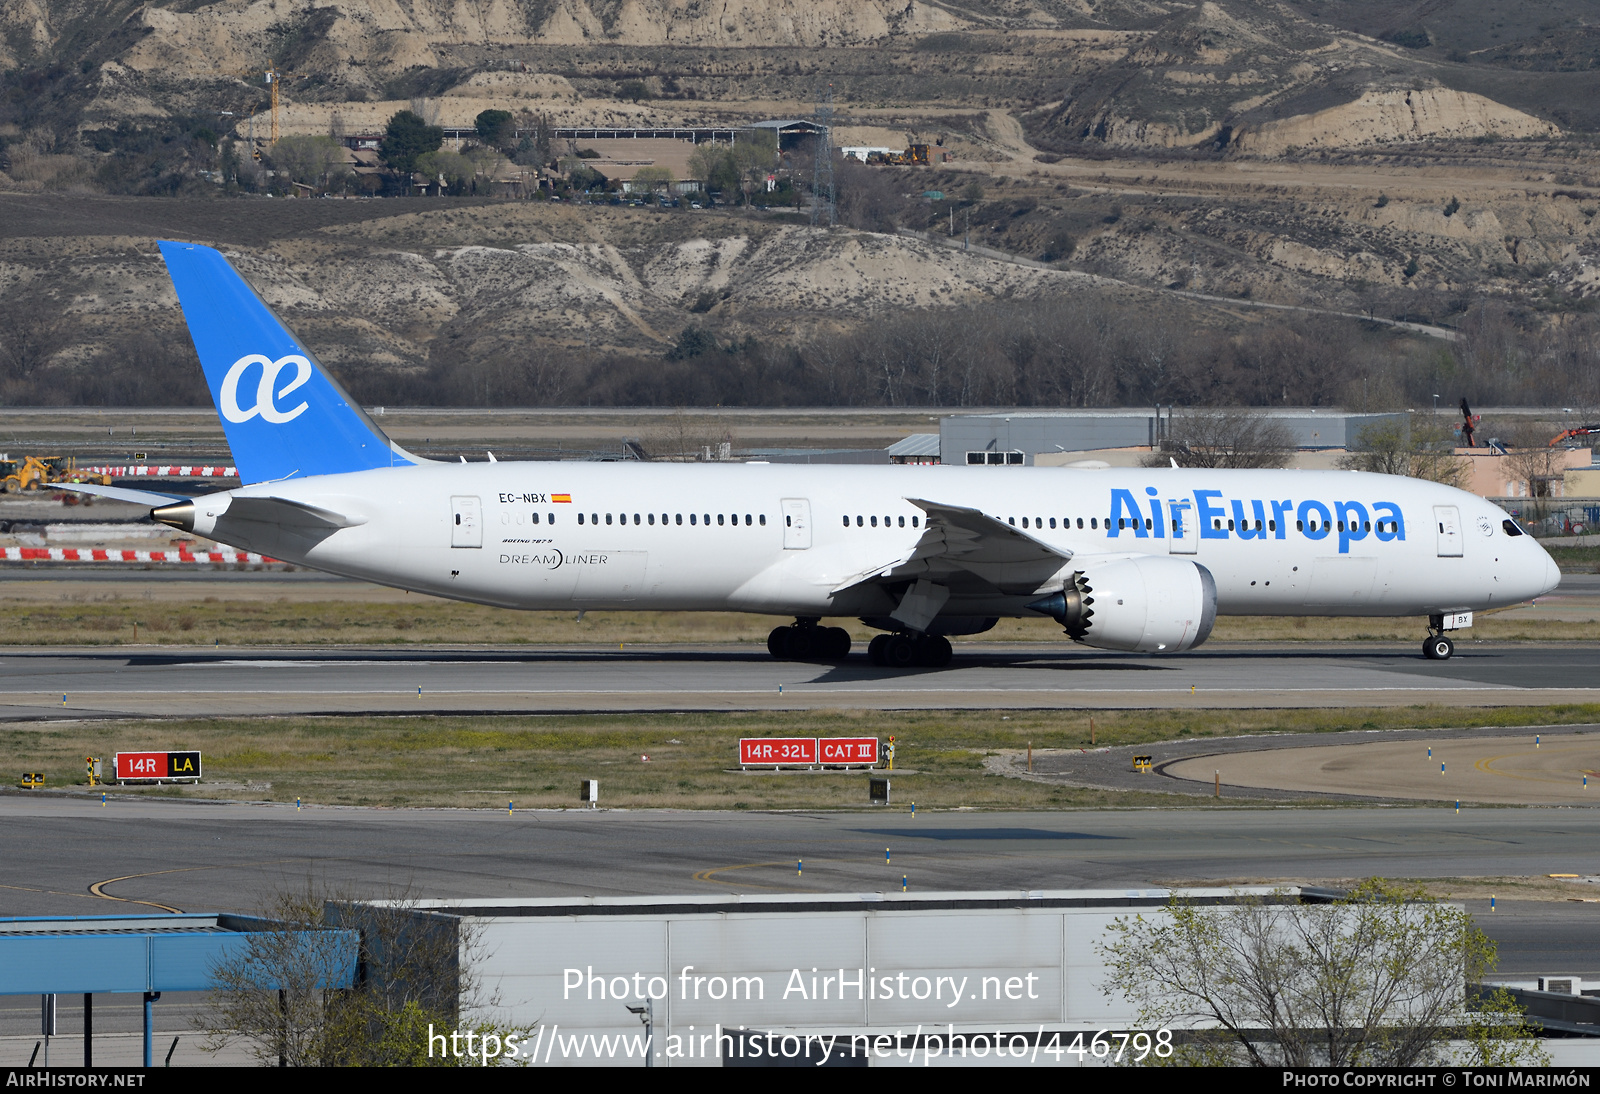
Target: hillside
x: 1152, y: 74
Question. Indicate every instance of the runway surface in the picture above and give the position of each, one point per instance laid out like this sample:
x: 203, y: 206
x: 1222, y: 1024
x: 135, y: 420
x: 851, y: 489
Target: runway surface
x: 187, y: 681
x: 205, y: 857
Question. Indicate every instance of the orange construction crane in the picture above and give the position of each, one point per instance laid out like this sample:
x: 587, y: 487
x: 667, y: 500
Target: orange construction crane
x: 1574, y: 433
x: 272, y: 78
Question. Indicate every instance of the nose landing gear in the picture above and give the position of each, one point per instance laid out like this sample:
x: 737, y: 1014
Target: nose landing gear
x: 805, y: 641
x: 1436, y: 647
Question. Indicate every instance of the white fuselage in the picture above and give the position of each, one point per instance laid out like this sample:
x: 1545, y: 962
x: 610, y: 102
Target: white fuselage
x: 799, y: 540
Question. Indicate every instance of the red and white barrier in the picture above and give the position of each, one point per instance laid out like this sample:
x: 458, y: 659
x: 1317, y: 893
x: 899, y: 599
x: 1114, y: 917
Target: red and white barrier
x: 164, y: 471
x: 101, y: 554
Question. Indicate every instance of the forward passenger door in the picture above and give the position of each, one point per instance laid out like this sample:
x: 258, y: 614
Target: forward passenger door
x: 1448, y: 520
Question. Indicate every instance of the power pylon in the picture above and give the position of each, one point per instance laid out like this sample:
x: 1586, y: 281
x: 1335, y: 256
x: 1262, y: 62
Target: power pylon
x: 822, y: 192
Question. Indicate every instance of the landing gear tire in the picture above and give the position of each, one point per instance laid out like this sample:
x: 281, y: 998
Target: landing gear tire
x: 875, y: 650
x: 802, y: 643
x: 934, y: 651
x: 837, y: 643
x: 900, y: 651
x: 1438, y: 648
x: 809, y: 643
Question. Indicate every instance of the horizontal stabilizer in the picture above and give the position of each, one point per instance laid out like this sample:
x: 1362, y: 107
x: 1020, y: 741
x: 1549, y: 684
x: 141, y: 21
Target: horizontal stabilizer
x: 120, y: 493
x: 289, y: 514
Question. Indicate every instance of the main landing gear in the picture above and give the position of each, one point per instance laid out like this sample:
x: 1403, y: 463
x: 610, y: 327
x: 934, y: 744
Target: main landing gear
x: 903, y: 651
x: 1436, y: 647
x: 805, y: 641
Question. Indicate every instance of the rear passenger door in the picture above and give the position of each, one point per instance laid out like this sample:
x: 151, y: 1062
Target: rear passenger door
x: 466, y: 528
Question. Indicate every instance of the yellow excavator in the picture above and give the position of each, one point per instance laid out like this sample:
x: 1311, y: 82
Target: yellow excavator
x: 38, y: 472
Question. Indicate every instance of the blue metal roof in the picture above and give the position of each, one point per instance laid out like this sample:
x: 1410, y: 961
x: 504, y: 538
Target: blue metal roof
x: 91, y: 954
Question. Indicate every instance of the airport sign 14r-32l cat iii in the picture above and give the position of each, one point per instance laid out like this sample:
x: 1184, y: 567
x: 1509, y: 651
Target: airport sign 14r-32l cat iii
x: 1124, y: 559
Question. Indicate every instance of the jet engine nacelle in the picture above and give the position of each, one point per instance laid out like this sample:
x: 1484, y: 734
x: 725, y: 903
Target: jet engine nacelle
x: 1148, y: 604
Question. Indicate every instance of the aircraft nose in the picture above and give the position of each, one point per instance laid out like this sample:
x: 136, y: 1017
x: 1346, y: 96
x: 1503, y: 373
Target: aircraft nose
x: 1552, y: 574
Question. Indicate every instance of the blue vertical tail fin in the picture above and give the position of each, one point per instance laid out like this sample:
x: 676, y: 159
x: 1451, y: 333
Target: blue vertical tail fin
x: 283, y: 415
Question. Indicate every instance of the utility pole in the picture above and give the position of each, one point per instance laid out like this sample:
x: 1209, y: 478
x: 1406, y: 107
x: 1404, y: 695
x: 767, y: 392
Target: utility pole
x: 822, y: 191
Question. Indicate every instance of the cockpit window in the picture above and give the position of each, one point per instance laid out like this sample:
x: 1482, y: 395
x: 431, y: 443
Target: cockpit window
x: 1511, y: 527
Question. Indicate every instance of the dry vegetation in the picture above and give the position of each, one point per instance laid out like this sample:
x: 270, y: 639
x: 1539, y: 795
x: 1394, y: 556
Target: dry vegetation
x: 537, y: 762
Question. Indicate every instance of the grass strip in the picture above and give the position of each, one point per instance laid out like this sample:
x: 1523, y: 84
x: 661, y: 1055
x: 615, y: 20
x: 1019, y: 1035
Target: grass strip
x: 538, y: 761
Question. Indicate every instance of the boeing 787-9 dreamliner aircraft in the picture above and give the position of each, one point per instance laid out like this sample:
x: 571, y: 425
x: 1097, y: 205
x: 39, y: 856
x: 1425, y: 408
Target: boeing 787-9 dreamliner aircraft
x: 1124, y: 559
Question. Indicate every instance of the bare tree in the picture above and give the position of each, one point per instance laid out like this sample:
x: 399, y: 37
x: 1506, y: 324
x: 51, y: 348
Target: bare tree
x: 1531, y: 460
x: 1422, y: 447
x: 33, y: 328
x: 1382, y: 978
x: 1225, y: 438
x: 283, y: 994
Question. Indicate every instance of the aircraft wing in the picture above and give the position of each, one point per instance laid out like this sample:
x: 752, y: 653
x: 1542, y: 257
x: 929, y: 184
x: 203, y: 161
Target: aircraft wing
x: 968, y: 551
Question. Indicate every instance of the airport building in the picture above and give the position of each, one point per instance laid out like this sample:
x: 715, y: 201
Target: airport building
x: 1021, y: 438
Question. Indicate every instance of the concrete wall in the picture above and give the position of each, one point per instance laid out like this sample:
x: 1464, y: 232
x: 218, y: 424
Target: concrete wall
x: 982, y: 962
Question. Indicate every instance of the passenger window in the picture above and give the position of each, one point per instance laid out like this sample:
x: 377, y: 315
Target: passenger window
x: 1011, y: 521
x: 747, y: 520
x: 1052, y: 522
x: 691, y: 518
x: 1121, y: 524
x: 680, y: 519
x: 860, y: 521
x: 1272, y: 526
x: 1024, y: 522
x: 1094, y: 522
x: 763, y: 520
x: 608, y: 518
x: 913, y: 522
x: 902, y: 522
x: 552, y: 517
x: 652, y: 519
x: 580, y: 518
x: 708, y: 519
x: 1080, y: 522
x: 719, y: 519
x: 536, y: 518
x: 636, y: 518
x: 1299, y: 526
x: 874, y: 522
x: 846, y: 521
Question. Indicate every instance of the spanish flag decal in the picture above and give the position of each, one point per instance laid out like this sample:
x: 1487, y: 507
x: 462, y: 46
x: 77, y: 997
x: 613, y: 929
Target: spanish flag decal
x: 561, y: 498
